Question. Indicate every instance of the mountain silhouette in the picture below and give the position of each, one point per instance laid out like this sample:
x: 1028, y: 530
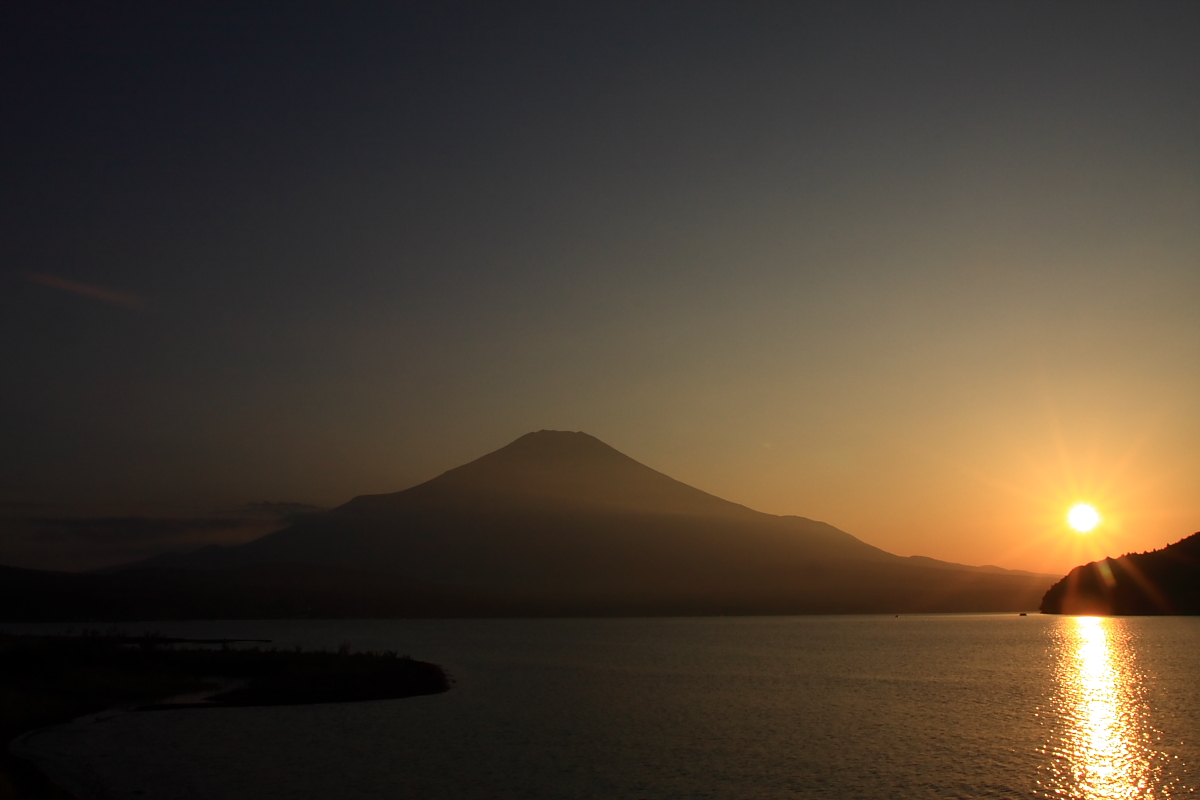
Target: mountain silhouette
x: 555, y: 523
x: 558, y: 512
x: 562, y: 520
x: 1163, y: 581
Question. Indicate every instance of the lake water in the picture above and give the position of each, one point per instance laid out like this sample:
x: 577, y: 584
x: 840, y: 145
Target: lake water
x: 942, y: 706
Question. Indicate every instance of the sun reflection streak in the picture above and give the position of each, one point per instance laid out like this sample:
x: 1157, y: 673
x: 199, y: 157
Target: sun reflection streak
x: 1103, y: 745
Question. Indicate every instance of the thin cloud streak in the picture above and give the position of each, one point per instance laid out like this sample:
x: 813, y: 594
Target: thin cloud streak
x: 110, y: 296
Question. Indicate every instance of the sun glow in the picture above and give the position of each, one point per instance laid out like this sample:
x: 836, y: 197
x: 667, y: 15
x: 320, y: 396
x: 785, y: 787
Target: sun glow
x: 1102, y: 743
x: 1083, y: 518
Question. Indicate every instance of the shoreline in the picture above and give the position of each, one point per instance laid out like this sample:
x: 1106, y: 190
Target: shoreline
x: 63, y: 782
x: 51, y: 681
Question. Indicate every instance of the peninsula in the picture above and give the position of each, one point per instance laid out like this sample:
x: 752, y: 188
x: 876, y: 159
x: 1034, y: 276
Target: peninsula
x: 47, y: 680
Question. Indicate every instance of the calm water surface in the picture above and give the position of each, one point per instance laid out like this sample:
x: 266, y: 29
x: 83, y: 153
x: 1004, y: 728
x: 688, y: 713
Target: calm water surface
x: 782, y: 707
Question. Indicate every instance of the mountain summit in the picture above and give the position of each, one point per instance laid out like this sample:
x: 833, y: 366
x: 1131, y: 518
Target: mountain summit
x: 562, y: 468
x: 560, y: 523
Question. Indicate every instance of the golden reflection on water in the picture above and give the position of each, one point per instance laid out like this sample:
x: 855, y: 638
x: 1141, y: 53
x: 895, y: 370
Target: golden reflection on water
x: 1103, y: 746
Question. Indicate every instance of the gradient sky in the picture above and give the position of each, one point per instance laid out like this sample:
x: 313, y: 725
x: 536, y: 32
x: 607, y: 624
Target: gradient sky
x: 929, y: 272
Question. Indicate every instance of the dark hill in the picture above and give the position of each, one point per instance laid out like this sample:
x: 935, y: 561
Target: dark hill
x: 560, y: 523
x: 1163, y: 581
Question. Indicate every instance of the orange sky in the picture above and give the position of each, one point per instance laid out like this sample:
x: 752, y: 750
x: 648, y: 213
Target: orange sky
x: 926, y: 272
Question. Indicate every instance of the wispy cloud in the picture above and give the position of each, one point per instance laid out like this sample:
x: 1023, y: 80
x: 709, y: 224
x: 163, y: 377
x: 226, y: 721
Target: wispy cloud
x: 288, y: 512
x: 110, y: 296
x: 82, y: 543
x: 70, y: 537
x: 115, y: 530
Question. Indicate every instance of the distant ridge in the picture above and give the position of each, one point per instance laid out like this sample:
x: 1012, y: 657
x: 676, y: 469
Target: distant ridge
x: 1165, y: 581
x: 558, y: 523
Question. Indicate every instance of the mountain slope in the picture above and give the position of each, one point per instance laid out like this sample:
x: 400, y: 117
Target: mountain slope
x: 1163, y: 581
x: 559, y: 520
x: 554, y: 512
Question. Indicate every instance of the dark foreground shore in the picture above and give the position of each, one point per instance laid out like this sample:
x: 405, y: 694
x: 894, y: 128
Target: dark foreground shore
x: 47, y: 680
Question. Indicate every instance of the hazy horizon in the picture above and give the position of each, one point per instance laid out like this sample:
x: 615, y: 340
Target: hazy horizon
x: 927, y: 273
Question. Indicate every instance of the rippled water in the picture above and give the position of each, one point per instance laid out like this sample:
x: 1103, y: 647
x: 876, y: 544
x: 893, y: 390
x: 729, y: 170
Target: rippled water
x: 1105, y: 741
x: 782, y: 707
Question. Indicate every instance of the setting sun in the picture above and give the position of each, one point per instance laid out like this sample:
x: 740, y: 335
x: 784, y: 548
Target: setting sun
x: 1083, y: 518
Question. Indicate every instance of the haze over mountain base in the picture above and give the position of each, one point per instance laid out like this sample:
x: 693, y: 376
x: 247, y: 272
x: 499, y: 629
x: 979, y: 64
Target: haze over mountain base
x: 554, y: 524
